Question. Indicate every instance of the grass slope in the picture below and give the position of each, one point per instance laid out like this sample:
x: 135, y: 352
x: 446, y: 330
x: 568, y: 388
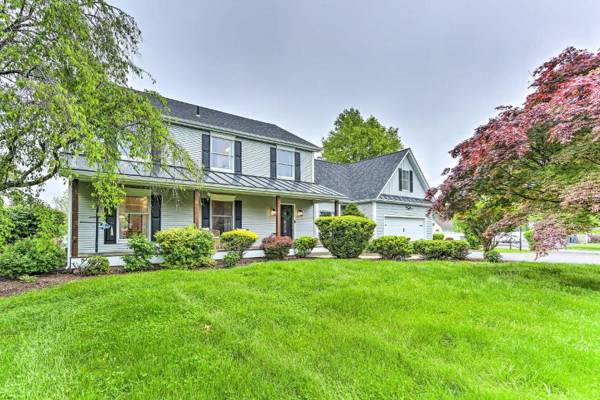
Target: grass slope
x: 310, y: 329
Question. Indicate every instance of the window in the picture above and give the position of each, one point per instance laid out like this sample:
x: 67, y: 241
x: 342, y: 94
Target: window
x: 404, y: 179
x: 133, y: 217
x: 222, y: 216
x: 324, y: 213
x: 221, y: 154
x: 285, y: 163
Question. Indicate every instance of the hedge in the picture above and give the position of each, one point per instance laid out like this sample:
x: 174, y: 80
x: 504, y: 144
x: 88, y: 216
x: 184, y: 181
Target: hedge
x: 441, y: 249
x: 391, y: 247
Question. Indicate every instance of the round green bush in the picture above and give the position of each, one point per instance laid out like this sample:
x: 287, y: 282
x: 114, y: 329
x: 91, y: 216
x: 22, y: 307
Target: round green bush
x: 438, y: 236
x: 143, y: 251
x: 30, y: 257
x: 492, y: 256
x: 276, y: 247
x: 441, y: 249
x: 238, y: 240
x: 231, y: 259
x: 95, y: 265
x: 185, y: 247
x: 304, y: 245
x: 391, y: 247
x: 345, y: 236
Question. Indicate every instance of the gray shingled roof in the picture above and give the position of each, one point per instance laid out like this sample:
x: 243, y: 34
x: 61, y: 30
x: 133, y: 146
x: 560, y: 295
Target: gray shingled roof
x: 219, y: 119
x: 362, y: 180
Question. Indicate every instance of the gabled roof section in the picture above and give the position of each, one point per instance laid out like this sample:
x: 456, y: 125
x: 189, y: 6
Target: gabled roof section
x: 209, y: 118
x: 362, y: 180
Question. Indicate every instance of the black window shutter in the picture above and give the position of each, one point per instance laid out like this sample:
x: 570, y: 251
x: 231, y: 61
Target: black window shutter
x: 205, y: 213
x: 206, y: 151
x: 411, y: 181
x: 110, y: 234
x: 400, y: 179
x: 155, y: 214
x: 297, y: 166
x: 273, y: 162
x: 237, y: 212
x: 238, y: 157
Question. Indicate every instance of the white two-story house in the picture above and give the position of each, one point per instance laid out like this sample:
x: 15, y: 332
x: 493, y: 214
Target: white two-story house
x: 257, y: 176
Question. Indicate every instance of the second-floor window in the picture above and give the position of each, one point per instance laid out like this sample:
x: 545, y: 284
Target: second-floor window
x: 405, y: 180
x: 221, y: 154
x: 285, y: 163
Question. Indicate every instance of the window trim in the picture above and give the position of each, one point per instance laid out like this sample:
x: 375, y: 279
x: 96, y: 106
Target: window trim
x: 292, y: 165
x: 401, y: 171
x: 118, y: 219
x: 212, y: 213
x: 231, y: 156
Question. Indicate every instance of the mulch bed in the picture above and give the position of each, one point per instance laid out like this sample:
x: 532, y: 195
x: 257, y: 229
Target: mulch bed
x: 10, y: 287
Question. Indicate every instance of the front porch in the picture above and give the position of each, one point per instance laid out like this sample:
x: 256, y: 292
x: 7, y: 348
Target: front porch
x: 146, y: 210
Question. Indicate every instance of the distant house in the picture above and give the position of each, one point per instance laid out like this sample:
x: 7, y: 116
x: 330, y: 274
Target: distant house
x: 447, y: 228
x: 389, y: 189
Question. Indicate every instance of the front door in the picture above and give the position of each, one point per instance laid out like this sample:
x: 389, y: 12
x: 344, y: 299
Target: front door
x: 287, y: 220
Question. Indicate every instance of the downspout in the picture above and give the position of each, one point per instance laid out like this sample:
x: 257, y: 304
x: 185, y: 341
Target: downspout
x: 96, y: 243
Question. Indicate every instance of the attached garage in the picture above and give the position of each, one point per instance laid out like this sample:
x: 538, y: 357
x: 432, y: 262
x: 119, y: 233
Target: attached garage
x: 413, y: 228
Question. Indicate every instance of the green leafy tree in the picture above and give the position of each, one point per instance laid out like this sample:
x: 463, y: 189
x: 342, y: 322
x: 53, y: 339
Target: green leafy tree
x: 64, y: 70
x: 354, y: 138
x: 482, y: 224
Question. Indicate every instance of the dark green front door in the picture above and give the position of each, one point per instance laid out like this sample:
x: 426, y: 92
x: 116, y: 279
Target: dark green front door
x: 287, y: 220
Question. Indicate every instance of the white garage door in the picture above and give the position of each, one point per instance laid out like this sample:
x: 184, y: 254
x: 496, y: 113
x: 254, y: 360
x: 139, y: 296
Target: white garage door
x: 414, y: 228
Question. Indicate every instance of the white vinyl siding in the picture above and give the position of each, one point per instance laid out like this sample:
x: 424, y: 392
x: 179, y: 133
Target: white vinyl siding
x: 256, y: 158
x: 177, y: 211
x: 255, y: 154
x: 393, y: 185
x: 190, y: 139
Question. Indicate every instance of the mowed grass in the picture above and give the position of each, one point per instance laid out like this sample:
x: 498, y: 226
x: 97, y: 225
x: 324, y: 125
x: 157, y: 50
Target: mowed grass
x: 584, y: 246
x: 332, y: 329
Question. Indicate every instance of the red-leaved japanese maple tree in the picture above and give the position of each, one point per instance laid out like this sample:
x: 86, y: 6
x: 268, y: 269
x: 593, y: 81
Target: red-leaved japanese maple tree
x: 542, y: 159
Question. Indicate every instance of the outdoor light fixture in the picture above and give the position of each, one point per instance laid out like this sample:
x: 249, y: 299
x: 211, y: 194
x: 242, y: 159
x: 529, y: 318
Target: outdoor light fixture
x: 300, y: 213
x: 273, y: 212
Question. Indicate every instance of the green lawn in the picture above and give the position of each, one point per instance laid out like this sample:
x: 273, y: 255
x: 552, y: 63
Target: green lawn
x: 513, y: 250
x: 310, y: 329
x: 586, y: 246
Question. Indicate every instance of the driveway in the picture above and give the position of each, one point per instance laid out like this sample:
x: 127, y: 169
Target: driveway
x: 561, y: 256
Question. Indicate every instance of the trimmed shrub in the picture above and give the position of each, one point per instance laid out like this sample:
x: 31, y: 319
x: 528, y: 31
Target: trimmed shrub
x: 441, y: 249
x: 492, y: 256
x: 143, y: 251
x: 304, y: 245
x: 185, y: 247
x: 352, y: 209
x: 95, y: 265
x: 207, y: 262
x: 238, y: 240
x: 391, y: 247
x: 276, y: 247
x: 345, y: 236
x: 30, y: 257
x: 231, y: 259
x: 438, y: 236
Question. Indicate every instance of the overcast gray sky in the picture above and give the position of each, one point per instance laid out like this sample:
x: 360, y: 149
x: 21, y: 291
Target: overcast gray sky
x: 433, y: 69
